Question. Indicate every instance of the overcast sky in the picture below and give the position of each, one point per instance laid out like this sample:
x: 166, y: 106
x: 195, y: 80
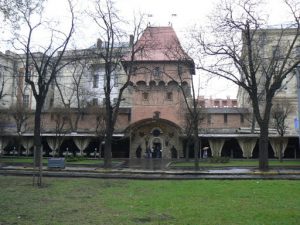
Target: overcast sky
x: 181, y: 14
x: 191, y: 12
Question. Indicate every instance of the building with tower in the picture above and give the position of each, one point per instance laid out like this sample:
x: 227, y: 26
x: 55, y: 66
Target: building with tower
x: 153, y: 113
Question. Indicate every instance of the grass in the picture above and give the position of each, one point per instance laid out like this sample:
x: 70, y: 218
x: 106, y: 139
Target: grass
x: 64, y: 201
x: 237, y: 163
x: 45, y: 161
x: 19, y: 160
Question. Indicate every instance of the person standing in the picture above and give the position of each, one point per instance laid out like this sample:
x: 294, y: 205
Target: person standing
x: 138, y: 151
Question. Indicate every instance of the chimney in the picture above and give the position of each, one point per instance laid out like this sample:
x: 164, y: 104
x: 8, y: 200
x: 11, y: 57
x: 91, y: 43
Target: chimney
x: 131, y: 39
x: 99, y: 43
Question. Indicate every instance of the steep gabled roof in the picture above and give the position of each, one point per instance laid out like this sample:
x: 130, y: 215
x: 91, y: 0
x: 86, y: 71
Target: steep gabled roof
x: 160, y: 44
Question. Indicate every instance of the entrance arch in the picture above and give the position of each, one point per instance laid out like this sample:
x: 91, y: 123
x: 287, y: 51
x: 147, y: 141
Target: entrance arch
x: 160, y: 135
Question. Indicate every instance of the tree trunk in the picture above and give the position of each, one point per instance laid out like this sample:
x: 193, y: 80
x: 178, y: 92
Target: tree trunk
x: 19, y: 146
x: 263, y: 147
x: 108, y: 133
x: 187, y: 149
x: 253, y: 123
x: 107, y: 151
x: 196, y: 149
x: 108, y: 141
x: 99, y: 147
x: 38, y: 156
x: 281, y: 151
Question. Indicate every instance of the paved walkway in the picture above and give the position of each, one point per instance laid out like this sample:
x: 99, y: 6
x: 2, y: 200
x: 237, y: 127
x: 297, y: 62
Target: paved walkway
x: 146, y: 164
x: 154, y: 169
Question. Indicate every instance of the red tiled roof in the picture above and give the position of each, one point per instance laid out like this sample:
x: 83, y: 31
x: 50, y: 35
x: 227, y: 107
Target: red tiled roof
x: 160, y: 44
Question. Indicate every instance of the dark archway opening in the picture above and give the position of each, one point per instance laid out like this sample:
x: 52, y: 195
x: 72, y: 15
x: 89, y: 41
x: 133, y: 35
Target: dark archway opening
x: 292, y: 149
x: 232, y: 149
x: 156, y: 150
x: 120, y: 148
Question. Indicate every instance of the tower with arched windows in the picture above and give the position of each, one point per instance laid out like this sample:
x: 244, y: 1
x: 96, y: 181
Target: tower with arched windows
x: 162, y: 69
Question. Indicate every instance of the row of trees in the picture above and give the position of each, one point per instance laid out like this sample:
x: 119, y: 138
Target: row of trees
x: 46, y: 58
x: 239, y: 46
x: 233, y: 41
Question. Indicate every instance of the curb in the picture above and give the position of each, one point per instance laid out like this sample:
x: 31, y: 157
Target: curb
x: 163, y: 175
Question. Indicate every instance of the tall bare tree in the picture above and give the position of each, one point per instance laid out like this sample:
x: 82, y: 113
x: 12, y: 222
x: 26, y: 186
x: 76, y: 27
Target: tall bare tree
x: 111, y: 53
x: 185, y: 78
x: 239, y: 49
x: 41, y: 61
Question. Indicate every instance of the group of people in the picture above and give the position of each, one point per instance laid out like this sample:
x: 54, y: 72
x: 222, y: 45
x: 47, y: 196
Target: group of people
x: 154, y: 152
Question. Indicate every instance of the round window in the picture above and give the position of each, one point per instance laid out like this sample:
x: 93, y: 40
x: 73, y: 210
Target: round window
x: 156, y: 133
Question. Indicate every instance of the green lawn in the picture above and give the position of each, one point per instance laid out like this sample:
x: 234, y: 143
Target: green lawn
x: 18, y: 160
x: 64, y: 201
x: 243, y: 162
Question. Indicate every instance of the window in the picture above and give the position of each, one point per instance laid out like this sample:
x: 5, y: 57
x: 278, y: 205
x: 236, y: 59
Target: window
x: 96, y: 81
x: 216, y: 104
x: 30, y: 72
x: 95, y: 101
x: 297, y: 51
x: 225, y: 118
x: 51, y: 102
x: 156, y: 71
x: 234, y: 103
x: 298, y: 77
x: 169, y: 96
x: 262, y: 39
x: 156, y: 115
x: 202, y: 104
x: 209, y: 119
x: 52, y: 85
x: 25, y: 101
x: 116, y: 80
x: 156, y: 132
x: 180, y: 70
x: 82, y: 116
x: 145, y: 96
x: 276, y: 52
x: 115, y: 100
x: 65, y: 118
x: 134, y: 70
x: 242, y: 118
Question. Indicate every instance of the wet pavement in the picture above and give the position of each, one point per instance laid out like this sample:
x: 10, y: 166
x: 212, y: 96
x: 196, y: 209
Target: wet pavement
x: 154, y: 169
x: 146, y: 164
